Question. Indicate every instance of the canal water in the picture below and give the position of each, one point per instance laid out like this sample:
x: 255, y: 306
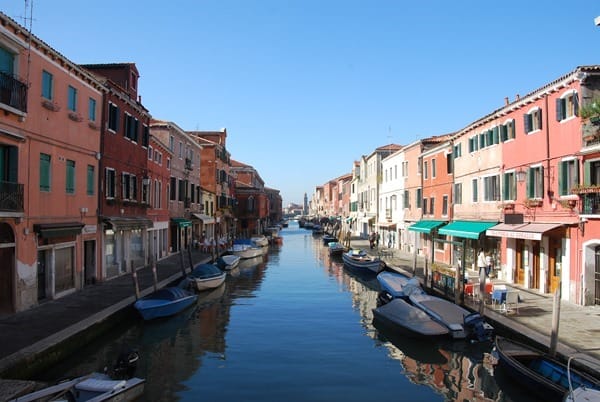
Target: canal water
x: 296, y: 326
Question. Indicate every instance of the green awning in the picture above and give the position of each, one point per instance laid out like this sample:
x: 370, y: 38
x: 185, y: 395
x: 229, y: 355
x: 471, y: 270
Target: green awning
x: 467, y: 229
x: 182, y: 222
x: 425, y: 226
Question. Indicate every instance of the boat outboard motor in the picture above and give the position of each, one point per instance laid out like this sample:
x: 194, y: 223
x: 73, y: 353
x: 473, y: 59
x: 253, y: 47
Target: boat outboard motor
x: 126, y: 364
x: 477, y: 328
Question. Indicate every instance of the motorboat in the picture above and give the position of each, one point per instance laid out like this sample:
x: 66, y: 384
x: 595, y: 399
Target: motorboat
x: 259, y: 240
x: 119, y: 385
x: 228, y: 262
x: 328, y: 239
x: 360, y: 260
x: 206, y: 276
x: 547, y: 377
x: 336, y: 248
x: 165, y: 302
x: 460, y: 322
x: 245, y: 251
x: 409, y: 320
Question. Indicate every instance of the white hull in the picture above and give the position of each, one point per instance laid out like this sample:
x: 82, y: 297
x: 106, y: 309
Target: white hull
x: 208, y: 283
x: 246, y: 252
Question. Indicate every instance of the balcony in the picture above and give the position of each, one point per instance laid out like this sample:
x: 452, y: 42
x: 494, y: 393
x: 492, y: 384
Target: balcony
x: 590, y: 132
x: 188, y: 164
x: 590, y: 203
x: 11, y: 196
x: 13, y: 92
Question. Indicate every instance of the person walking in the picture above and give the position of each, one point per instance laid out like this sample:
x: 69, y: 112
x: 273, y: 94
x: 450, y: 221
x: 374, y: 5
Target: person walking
x: 481, y: 265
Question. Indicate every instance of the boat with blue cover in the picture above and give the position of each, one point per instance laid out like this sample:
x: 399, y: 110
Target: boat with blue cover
x: 165, y: 302
x: 362, y: 262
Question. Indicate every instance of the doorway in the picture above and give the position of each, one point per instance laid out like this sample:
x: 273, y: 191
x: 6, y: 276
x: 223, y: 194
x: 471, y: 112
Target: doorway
x: 597, y: 275
x: 7, y: 269
x: 520, y: 261
x: 89, y: 260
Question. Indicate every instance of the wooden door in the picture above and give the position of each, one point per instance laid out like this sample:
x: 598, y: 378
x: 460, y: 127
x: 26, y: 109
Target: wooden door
x: 535, y: 266
x: 520, y: 261
x: 554, y: 264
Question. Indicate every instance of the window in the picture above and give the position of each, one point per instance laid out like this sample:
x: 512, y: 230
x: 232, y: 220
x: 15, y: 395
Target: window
x: 173, y: 192
x: 509, y: 187
x: 129, y: 187
x: 182, y: 190
x: 47, y: 85
x: 150, y: 153
x: 44, y: 172
x: 111, y: 184
x: 449, y: 163
x: 568, y: 176
x: 433, y: 168
x: 567, y: 106
x: 533, y: 120
x: 507, y: 131
x: 146, y: 190
x: 431, y: 206
x: 145, y: 135
x: 180, y: 150
x: 491, y: 188
x: 406, y: 199
x: 457, y: 151
x: 419, y: 197
x: 535, y: 182
x: 475, y: 188
x: 130, y: 128
x: 92, y: 109
x: 168, y: 163
x: 113, y: 117
x: 424, y: 206
x: 72, y: 99
x: 90, y: 180
x: 445, y: 205
x: 171, y: 143
x: 473, y: 144
x: 425, y: 168
x: 70, y: 179
x: 458, y: 193
x: 405, y: 169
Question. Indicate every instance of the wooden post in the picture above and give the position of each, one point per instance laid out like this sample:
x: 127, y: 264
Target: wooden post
x: 154, y: 274
x: 555, y: 321
x: 135, y: 281
x: 190, y: 257
x: 182, y: 260
x: 425, y: 276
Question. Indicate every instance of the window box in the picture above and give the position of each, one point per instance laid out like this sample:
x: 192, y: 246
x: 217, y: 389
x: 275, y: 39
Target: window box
x: 508, y: 205
x: 52, y: 106
x: 593, y: 188
x: 533, y: 202
x: 75, y: 116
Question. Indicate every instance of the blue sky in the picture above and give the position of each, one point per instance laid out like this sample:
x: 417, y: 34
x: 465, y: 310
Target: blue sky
x: 305, y: 87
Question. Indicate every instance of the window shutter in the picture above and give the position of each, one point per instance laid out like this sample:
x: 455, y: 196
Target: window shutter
x: 576, y: 105
x: 560, y: 109
x: 530, y: 177
x: 587, y: 173
x: 12, y: 173
x: 539, y: 118
x: 576, y: 173
x: 505, y: 185
x: 527, y: 122
x: 496, y: 135
x: 562, y: 178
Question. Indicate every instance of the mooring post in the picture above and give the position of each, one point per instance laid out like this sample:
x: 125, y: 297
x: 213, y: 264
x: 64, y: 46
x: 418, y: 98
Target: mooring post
x: 154, y: 274
x: 555, y: 321
x: 182, y: 260
x: 135, y: 281
x: 190, y: 257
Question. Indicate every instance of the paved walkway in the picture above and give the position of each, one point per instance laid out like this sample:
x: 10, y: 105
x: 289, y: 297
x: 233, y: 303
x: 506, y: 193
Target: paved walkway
x: 579, y: 326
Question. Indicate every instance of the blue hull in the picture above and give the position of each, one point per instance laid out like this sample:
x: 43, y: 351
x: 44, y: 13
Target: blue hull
x: 164, y: 303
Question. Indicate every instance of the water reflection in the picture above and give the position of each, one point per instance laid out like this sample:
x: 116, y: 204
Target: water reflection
x: 294, y: 325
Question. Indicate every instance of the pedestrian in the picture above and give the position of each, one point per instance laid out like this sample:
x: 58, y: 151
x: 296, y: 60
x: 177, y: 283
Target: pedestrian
x: 372, y: 240
x: 377, y: 239
x: 488, y: 265
x: 481, y: 265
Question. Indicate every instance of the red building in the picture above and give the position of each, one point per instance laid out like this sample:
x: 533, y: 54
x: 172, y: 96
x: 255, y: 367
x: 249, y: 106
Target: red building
x: 252, y: 201
x: 124, y: 194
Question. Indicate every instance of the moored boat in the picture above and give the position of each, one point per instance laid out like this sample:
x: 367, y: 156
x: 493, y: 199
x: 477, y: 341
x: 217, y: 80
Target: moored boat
x: 409, y: 319
x: 328, y: 239
x: 228, y: 262
x: 360, y: 260
x: 547, y: 377
x: 206, y: 276
x: 245, y: 251
x: 164, y: 302
x: 336, y: 248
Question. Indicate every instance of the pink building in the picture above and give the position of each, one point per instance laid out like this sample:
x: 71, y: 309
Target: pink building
x: 49, y: 145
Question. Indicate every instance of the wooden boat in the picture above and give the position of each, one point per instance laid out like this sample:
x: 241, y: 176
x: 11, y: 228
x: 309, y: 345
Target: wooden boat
x: 537, y: 371
x: 460, y: 322
x: 409, y: 319
x: 206, y: 276
x: 250, y: 263
x: 245, y: 251
x: 228, y: 262
x: 360, y: 260
x: 336, y: 248
x: 165, y: 302
x: 259, y: 241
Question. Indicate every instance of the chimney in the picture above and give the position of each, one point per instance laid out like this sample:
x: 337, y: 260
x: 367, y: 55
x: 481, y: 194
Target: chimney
x: 506, y: 101
x: 517, y: 97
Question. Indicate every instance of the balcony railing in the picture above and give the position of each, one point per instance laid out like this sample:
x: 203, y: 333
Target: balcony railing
x: 590, y: 204
x: 11, y: 196
x: 13, y: 92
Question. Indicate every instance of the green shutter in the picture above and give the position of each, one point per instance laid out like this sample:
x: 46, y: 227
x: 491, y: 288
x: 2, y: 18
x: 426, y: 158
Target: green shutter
x: 505, y: 185
x: 90, y: 180
x: 587, y: 173
x: 530, y: 187
x: 44, y: 172
x: 560, y: 109
x: 70, y: 185
x: 562, y: 178
x: 576, y: 178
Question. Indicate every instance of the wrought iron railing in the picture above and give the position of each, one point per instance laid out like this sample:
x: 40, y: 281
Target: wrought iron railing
x: 11, y: 196
x: 13, y: 92
x: 590, y: 204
